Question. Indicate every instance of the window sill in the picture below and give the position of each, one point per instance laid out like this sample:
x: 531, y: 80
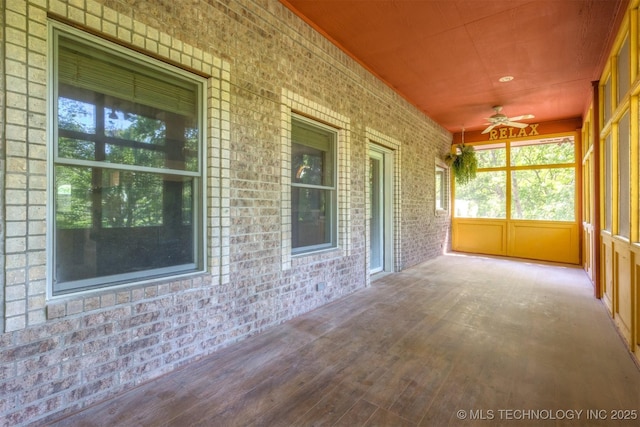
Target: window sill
x: 90, y: 300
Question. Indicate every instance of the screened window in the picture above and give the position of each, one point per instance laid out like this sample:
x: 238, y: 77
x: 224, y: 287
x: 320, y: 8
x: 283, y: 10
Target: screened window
x: 624, y: 177
x: 608, y: 183
x: 127, y: 172
x: 543, y: 194
x: 483, y: 197
x: 486, y: 195
x: 606, y: 100
x: 543, y: 180
x: 624, y: 69
x: 491, y: 156
x: 313, y: 185
x: 530, y: 180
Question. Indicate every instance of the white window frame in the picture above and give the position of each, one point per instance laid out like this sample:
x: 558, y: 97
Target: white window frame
x: 198, y: 208
x: 332, y: 189
x: 441, y: 170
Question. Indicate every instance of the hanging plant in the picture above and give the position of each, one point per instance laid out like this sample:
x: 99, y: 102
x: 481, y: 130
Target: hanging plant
x: 464, y: 163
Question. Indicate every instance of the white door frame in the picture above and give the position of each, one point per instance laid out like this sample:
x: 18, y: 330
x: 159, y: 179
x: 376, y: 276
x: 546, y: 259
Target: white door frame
x: 385, y: 191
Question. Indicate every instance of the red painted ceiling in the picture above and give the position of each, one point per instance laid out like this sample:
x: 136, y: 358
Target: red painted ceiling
x: 446, y: 56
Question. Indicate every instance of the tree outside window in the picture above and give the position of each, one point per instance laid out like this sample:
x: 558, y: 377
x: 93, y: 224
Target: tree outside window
x: 538, y: 180
x: 127, y: 173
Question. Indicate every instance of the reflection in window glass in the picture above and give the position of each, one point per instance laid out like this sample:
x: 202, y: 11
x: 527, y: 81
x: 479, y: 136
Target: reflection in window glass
x: 136, y: 225
x: 76, y: 115
x: 309, y: 209
x: 483, y: 197
x: 543, y: 194
x: 131, y: 199
x: 549, y: 153
x: 127, y: 178
x: 310, y: 165
x: 313, y: 191
x: 73, y: 197
x: 131, y: 134
x: 135, y: 127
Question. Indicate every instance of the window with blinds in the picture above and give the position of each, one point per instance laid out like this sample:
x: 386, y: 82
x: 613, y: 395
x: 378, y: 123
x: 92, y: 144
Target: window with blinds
x: 127, y: 165
x: 313, y: 186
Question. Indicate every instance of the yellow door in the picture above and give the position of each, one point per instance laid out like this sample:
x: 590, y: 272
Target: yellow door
x: 523, y: 202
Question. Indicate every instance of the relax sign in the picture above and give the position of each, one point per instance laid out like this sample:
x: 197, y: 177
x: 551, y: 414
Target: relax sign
x: 509, y: 132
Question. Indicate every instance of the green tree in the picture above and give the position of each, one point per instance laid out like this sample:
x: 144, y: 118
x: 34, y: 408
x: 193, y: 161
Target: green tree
x: 542, y: 182
x: 119, y: 197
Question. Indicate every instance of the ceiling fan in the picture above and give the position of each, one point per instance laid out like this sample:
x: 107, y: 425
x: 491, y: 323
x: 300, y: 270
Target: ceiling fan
x: 499, y: 119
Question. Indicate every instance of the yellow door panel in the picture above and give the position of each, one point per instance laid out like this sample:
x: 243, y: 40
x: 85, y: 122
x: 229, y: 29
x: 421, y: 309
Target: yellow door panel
x: 478, y: 236
x: 624, y: 290
x: 606, y: 273
x: 556, y: 242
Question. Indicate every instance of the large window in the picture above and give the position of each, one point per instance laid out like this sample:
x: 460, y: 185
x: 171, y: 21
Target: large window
x: 127, y: 172
x: 531, y: 180
x: 313, y: 186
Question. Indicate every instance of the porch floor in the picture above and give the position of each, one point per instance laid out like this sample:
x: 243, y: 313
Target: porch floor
x: 459, y: 340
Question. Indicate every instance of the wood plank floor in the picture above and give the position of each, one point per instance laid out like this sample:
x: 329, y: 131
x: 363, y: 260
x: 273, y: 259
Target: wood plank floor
x: 507, y: 342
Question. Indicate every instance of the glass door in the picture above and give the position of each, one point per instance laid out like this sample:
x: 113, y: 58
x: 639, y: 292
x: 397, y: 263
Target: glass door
x: 376, y: 219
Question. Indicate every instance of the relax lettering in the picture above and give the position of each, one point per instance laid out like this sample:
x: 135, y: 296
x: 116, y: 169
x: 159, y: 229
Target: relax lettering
x: 509, y: 132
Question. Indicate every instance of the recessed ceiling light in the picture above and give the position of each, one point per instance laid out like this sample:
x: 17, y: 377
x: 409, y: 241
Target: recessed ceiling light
x: 505, y: 79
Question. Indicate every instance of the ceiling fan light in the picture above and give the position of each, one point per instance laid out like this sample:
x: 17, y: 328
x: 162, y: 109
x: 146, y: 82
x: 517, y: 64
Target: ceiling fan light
x: 505, y: 79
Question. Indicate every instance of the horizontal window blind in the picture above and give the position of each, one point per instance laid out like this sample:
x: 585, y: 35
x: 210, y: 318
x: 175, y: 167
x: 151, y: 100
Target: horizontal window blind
x: 311, y: 136
x: 108, y: 74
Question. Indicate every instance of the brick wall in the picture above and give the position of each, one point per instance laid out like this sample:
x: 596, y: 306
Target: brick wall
x: 59, y: 355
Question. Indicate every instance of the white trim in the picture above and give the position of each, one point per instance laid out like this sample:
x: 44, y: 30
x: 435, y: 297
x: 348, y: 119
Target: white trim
x: 199, y: 203
x: 385, y: 142
x: 293, y: 103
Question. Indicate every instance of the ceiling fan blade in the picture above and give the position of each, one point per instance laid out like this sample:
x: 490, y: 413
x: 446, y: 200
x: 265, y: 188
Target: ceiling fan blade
x: 487, y: 130
x: 523, y: 117
x: 516, y: 124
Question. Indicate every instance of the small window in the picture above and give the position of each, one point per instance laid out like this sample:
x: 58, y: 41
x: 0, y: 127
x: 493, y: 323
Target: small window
x: 624, y: 70
x: 127, y: 172
x: 442, y: 188
x: 313, y: 186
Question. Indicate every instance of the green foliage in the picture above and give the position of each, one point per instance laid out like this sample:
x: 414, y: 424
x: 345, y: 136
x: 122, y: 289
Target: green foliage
x: 546, y: 194
x: 88, y: 196
x: 493, y: 158
x: 483, y: 197
x: 464, y: 163
x: 543, y: 154
x: 542, y: 187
